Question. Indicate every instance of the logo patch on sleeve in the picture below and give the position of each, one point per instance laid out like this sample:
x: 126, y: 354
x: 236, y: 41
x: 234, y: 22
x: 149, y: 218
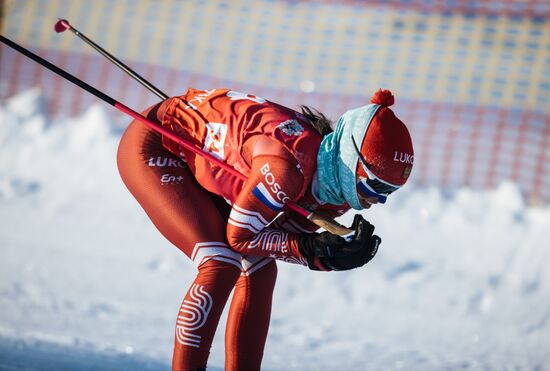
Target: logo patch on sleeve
x: 291, y: 128
x: 265, y: 197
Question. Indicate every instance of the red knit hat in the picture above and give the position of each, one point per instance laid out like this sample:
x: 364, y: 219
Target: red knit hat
x: 387, y: 146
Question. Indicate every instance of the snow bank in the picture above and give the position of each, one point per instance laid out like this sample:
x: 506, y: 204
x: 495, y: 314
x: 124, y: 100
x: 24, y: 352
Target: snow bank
x: 459, y: 283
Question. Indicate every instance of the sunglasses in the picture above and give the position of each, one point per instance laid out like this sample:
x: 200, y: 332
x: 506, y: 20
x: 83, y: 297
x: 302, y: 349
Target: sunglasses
x: 373, y: 186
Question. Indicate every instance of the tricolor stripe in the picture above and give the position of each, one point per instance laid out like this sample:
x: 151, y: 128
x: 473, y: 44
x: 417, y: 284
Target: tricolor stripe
x: 265, y: 197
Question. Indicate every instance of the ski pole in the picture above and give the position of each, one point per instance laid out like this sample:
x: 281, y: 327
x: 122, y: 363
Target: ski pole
x: 328, y: 224
x: 62, y: 25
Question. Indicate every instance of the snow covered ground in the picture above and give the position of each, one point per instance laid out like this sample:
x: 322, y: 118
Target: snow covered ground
x: 462, y: 280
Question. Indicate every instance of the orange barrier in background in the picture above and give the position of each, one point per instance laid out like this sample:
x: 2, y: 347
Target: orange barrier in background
x: 471, y: 79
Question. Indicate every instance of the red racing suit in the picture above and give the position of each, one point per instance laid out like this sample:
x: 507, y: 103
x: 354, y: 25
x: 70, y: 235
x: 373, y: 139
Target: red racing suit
x: 231, y: 229
x: 274, y: 146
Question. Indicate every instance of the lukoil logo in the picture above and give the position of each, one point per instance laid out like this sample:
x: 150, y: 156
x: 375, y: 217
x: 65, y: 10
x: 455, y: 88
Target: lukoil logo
x: 403, y: 158
x: 160, y: 161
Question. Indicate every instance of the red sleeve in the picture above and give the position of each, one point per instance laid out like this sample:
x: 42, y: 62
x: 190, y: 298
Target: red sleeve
x: 273, y: 181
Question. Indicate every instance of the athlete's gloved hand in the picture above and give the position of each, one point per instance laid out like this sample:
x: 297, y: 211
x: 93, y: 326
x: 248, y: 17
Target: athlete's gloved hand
x: 335, y: 253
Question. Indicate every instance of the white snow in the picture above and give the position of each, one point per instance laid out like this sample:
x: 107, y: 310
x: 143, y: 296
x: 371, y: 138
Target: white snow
x: 462, y: 279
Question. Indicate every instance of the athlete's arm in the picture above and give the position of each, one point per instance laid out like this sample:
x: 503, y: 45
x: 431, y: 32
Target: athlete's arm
x: 273, y: 181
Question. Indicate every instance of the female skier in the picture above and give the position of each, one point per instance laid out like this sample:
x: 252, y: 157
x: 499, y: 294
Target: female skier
x: 234, y: 230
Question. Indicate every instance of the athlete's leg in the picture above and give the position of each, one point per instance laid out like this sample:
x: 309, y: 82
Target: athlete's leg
x: 200, y: 312
x: 188, y: 217
x: 249, y: 315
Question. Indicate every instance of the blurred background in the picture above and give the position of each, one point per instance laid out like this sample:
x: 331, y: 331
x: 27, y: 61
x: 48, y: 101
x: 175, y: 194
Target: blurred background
x: 471, y: 78
x: 461, y: 281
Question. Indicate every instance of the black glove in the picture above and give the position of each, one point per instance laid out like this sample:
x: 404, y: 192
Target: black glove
x: 354, y: 260
x: 335, y: 253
